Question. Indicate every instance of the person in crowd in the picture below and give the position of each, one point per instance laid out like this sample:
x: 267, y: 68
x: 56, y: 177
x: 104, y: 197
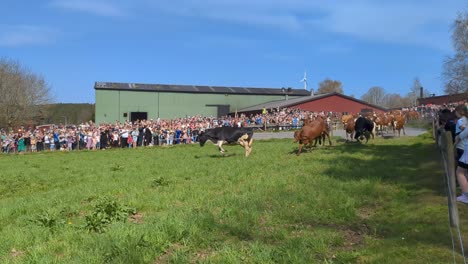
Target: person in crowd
x: 148, y: 136
x: 103, y: 138
x: 20, y: 143
x: 33, y: 143
x: 462, y: 168
x: 462, y: 113
x: 52, y: 142
x: 40, y: 141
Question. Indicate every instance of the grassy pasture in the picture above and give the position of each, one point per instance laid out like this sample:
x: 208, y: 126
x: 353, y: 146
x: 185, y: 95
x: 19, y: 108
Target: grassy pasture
x: 349, y: 203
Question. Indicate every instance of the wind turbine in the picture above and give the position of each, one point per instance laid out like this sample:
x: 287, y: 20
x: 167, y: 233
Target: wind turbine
x: 304, y: 80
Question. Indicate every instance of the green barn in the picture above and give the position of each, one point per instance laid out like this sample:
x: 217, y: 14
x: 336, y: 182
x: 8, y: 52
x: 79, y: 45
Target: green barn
x: 132, y: 101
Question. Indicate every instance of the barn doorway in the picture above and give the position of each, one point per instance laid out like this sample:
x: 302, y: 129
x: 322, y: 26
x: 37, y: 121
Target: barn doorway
x: 222, y: 110
x: 134, y: 116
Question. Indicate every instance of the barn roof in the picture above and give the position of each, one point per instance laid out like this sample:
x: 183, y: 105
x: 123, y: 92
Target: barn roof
x: 300, y: 100
x: 444, y: 99
x: 197, y: 89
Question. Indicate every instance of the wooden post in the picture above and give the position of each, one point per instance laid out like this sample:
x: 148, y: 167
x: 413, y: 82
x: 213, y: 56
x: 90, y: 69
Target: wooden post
x: 448, y: 154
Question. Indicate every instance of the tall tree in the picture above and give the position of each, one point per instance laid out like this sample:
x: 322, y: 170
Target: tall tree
x: 455, y: 72
x: 21, y: 93
x: 330, y: 86
x: 374, y: 95
x: 415, y: 91
x: 395, y: 101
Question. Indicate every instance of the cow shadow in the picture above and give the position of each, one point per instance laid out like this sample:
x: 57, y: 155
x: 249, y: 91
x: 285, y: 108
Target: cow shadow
x: 221, y: 156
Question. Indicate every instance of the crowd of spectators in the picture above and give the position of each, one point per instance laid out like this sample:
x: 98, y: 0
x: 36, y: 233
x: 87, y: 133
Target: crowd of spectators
x: 153, y: 132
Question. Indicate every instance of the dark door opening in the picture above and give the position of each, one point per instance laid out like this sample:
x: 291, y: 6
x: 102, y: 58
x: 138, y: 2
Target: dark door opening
x: 223, y: 110
x: 134, y: 116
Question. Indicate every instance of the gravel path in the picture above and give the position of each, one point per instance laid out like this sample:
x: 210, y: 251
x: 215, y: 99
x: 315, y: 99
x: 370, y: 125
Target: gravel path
x: 340, y: 133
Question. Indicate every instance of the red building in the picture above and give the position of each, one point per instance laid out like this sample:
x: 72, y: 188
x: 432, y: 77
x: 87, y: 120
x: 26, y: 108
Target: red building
x: 444, y: 99
x: 331, y: 102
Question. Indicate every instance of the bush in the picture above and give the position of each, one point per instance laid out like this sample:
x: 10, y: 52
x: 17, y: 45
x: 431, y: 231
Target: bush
x: 107, y: 211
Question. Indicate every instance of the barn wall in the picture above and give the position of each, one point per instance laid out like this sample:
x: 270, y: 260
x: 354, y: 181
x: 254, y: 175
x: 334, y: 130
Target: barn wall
x: 112, y: 104
x: 335, y: 103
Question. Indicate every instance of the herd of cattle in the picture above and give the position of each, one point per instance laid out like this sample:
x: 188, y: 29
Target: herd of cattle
x: 317, y: 129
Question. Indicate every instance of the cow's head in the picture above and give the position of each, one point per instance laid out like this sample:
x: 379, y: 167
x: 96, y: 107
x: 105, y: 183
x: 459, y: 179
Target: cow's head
x: 297, y: 136
x: 202, y: 138
x: 361, y: 135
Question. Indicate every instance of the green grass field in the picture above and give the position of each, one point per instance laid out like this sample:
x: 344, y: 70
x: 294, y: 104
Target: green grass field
x: 349, y: 203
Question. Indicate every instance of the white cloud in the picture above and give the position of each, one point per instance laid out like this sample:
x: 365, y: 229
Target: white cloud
x: 99, y: 8
x: 421, y: 23
x: 26, y: 35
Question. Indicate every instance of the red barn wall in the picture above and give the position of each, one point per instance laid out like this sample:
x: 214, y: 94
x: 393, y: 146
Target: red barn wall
x: 335, y: 103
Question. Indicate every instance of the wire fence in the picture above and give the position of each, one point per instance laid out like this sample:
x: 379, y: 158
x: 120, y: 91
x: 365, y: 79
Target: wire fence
x: 444, y: 141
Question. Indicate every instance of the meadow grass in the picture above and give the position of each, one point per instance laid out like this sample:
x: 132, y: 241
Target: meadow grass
x: 350, y: 203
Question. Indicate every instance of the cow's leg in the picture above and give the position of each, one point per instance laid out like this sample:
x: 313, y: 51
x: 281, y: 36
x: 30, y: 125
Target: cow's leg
x: 249, y: 144
x: 404, y: 132
x: 246, y: 146
x: 300, y: 149
x: 220, y: 147
x: 325, y: 134
x: 248, y: 149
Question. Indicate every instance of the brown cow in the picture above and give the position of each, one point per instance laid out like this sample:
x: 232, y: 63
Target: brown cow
x: 349, y: 129
x: 381, y: 123
x: 412, y: 115
x: 399, y: 124
x: 311, y: 131
x: 345, y: 118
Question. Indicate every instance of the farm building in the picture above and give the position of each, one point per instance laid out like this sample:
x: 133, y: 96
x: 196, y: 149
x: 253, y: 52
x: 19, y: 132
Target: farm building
x: 330, y: 102
x: 443, y: 99
x: 132, y: 101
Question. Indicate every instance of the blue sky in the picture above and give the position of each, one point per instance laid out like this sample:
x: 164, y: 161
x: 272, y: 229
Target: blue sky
x: 255, y: 43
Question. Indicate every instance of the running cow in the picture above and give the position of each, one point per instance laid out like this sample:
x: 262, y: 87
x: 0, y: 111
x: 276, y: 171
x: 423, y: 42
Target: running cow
x: 363, y: 128
x: 229, y: 135
x: 312, y: 130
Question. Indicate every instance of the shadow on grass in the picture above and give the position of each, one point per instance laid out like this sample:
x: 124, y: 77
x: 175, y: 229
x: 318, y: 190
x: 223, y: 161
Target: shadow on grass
x: 404, y: 165
x: 220, y: 156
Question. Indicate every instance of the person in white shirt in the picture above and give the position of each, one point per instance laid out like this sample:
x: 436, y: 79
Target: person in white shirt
x: 462, y: 169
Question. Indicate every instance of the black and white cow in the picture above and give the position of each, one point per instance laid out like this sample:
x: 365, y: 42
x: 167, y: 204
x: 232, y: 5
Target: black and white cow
x: 221, y: 135
x: 363, y: 127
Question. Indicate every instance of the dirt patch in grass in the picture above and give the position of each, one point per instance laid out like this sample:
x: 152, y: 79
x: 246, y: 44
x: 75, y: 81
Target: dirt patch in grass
x: 136, y: 218
x: 14, y: 253
x: 201, y: 256
x: 164, y: 258
x: 353, y: 235
x: 365, y: 213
